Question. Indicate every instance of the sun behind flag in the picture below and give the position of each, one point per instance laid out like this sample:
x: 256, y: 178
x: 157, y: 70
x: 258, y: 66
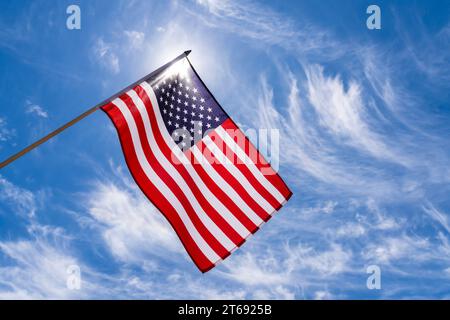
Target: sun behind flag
x: 194, y: 164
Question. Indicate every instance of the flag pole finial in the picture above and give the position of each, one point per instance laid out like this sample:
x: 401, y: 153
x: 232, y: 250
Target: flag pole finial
x: 187, y: 52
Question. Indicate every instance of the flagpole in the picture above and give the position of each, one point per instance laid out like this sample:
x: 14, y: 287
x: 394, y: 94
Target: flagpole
x: 36, y: 144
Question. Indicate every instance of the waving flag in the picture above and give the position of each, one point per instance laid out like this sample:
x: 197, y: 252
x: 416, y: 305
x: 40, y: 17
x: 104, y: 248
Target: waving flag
x: 194, y: 164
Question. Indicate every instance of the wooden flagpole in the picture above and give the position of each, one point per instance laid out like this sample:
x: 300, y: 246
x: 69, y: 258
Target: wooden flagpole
x: 86, y: 113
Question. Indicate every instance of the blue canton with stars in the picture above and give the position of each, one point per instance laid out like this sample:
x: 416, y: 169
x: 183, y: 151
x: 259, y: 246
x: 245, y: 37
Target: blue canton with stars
x: 186, y: 106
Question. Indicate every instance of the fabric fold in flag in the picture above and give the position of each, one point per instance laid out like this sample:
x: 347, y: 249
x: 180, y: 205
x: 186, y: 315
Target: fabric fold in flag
x: 194, y: 163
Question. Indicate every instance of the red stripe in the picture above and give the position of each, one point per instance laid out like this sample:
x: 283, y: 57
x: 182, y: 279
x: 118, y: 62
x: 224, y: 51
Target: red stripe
x: 150, y: 190
x: 261, y: 163
x: 243, y: 168
x: 234, y: 183
x: 221, y: 195
x: 171, y: 183
x: 207, y: 207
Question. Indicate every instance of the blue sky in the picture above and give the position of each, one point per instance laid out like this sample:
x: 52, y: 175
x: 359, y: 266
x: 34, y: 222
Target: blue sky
x: 364, y: 138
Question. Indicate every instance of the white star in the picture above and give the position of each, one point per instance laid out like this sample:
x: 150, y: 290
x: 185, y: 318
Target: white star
x: 202, y: 100
x: 202, y: 107
x: 195, y: 90
x: 201, y: 115
x: 194, y: 98
x: 170, y: 114
x: 208, y: 125
x: 169, y: 123
x: 208, y: 117
x: 176, y: 125
x: 165, y: 111
x: 217, y: 119
x: 193, y: 114
x: 209, y: 109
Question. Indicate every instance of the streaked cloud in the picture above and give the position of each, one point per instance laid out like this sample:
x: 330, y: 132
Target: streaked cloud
x: 104, y: 54
x: 21, y: 200
x: 135, y: 38
x: 126, y: 219
x: 440, y: 217
x: 35, y: 109
x: 5, y: 132
x: 39, y: 271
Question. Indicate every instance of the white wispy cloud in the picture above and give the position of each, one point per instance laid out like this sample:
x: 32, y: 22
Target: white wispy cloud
x: 351, y: 229
x: 36, y: 109
x: 308, y: 145
x: 104, y: 54
x: 38, y: 260
x: 323, y: 295
x: 5, y: 132
x: 251, y: 270
x: 258, y: 22
x: 438, y: 216
x: 132, y: 228
x: 333, y: 260
x: 136, y: 39
x: 397, y: 247
x: 343, y: 112
x: 39, y: 271
x: 23, y: 201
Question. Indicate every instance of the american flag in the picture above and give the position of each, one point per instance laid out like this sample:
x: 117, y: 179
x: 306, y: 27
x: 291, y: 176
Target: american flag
x: 194, y: 164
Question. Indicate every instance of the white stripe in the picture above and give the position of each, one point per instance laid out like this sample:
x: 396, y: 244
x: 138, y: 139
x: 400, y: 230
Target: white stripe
x: 181, y: 157
x: 224, y: 184
x: 206, y: 220
x: 250, y: 164
x: 234, y: 171
x: 155, y: 179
